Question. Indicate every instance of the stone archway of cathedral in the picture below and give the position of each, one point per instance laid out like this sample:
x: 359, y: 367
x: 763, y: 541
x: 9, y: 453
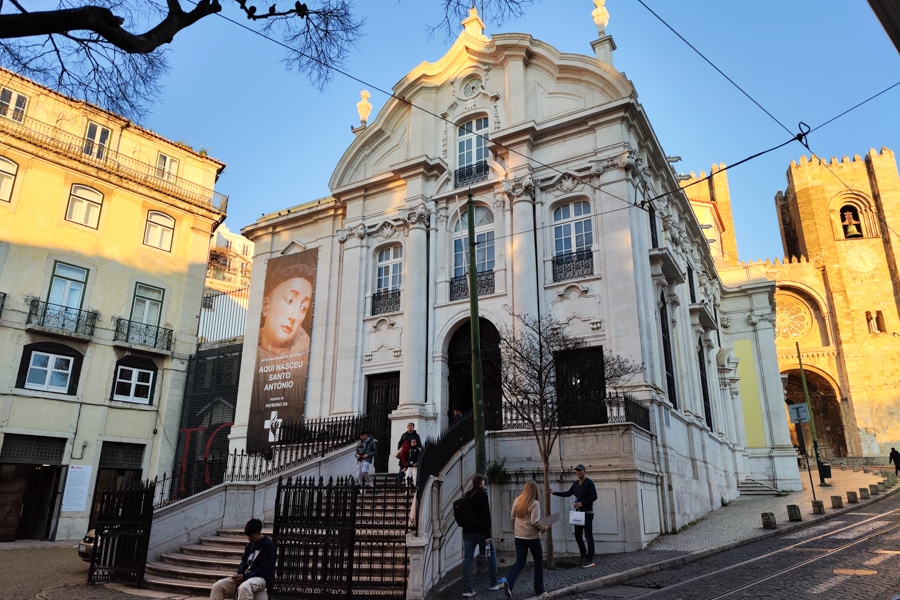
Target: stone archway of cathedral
x: 826, y: 413
x: 459, y: 355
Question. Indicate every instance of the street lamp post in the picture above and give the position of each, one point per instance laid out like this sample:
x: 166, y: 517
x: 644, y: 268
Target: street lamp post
x: 812, y: 420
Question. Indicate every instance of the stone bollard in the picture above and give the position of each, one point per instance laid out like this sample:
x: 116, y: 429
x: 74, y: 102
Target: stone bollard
x: 852, y: 498
x: 873, y: 489
x: 837, y: 502
x: 864, y: 493
x: 876, y: 472
x: 794, y: 513
x: 818, y: 507
x: 865, y: 469
x: 855, y: 469
x: 881, y: 487
x: 843, y: 467
x: 768, y: 521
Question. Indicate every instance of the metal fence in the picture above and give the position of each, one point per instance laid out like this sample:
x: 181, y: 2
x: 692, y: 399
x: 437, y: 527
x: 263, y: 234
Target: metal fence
x: 437, y: 452
x: 300, y: 443
x: 122, y: 531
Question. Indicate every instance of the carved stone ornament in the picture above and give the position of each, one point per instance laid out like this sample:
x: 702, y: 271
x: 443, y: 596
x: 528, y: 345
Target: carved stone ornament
x: 360, y: 231
x: 387, y: 230
x: 597, y: 167
x: 519, y: 186
x: 626, y: 160
x: 342, y: 235
x: 419, y: 214
x: 567, y: 183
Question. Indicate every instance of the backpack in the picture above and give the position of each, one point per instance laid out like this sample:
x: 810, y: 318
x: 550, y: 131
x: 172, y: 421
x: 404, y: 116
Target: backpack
x: 464, y: 512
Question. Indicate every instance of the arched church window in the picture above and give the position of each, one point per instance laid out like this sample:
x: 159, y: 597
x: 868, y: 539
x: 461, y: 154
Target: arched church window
x: 850, y: 222
x: 484, y: 253
x: 388, y: 279
x: 472, y: 152
x: 573, y: 237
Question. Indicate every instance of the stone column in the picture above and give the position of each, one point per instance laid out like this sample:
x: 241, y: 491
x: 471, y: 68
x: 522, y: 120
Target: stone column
x: 416, y: 295
x: 523, y: 263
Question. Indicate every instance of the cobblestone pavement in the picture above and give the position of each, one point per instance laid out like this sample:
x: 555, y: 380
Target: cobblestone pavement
x: 53, y: 571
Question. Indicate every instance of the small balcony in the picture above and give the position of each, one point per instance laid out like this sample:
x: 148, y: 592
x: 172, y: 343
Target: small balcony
x: 141, y: 334
x: 385, y: 301
x: 573, y: 265
x: 470, y: 174
x: 459, y: 286
x: 61, y: 320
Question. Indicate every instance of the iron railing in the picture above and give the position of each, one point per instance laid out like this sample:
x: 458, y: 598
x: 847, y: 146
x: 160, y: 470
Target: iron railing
x: 622, y: 408
x: 61, y: 318
x: 573, y: 265
x: 459, y: 286
x: 615, y: 408
x: 2, y: 302
x: 385, y: 301
x: 87, y: 151
x: 134, y: 332
x: 470, y: 174
x: 299, y: 443
x: 223, y: 315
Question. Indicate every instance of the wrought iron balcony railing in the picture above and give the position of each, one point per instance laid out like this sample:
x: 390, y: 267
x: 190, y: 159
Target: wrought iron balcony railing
x: 573, y: 265
x: 469, y: 174
x: 87, y: 151
x: 385, y: 301
x: 143, y: 334
x: 459, y: 286
x: 61, y: 318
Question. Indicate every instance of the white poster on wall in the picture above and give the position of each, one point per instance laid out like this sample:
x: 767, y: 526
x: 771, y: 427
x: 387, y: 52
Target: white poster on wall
x: 76, y: 492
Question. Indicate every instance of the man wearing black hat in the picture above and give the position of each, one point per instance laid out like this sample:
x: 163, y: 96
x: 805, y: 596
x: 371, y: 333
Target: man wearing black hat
x: 585, y: 494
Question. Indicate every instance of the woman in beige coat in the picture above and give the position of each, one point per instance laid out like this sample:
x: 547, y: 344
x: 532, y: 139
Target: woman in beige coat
x: 527, y: 529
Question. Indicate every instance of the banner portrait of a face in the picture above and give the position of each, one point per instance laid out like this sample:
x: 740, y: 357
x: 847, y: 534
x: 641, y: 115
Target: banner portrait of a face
x: 282, y: 353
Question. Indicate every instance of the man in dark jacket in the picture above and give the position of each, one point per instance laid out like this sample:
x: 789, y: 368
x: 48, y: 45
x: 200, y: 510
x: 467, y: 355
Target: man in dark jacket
x: 257, y: 568
x: 585, y: 494
x: 479, y: 535
x: 894, y: 457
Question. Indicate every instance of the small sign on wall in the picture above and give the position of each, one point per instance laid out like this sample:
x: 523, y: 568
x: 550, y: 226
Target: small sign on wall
x: 77, y: 484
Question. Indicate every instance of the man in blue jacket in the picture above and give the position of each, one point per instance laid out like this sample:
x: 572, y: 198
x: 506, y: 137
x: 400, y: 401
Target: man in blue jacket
x: 257, y: 568
x: 478, y: 535
x: 585, y: 494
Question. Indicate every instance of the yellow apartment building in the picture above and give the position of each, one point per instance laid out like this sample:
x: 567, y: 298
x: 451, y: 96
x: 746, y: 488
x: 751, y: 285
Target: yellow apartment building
x: 105, y: 230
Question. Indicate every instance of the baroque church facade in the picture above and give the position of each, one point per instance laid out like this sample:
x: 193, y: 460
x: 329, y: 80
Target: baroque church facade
x: 579, y: 216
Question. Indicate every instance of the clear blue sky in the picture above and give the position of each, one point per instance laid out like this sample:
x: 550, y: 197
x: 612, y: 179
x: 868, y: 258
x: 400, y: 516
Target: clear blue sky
x: 802, y: 60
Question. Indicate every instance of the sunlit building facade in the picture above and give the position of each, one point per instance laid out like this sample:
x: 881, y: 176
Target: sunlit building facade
x: 578, y: 216
x: 105, y: 230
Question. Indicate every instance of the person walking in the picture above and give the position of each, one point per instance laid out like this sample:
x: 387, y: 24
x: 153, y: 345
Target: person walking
x: 412, y: 462
x: 585, y: 494
x: 478, y: 535
x: 403, y: 448
x: 256, y: 571
x: 527, y: 529
x: 365, y: 453
x: 894, y: 457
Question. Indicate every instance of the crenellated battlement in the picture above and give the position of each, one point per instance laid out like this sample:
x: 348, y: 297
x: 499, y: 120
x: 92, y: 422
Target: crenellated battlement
x: 872, y: 154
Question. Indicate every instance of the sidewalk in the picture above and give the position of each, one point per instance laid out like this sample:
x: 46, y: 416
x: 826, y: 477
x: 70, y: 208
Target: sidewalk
x: 738, y: 523
x: 730, y: 526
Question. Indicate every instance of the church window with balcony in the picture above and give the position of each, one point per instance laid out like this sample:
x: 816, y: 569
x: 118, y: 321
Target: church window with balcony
x: 572, y: 240
x: 484, y: 253
x: 388, y: 279
x: 472, y: 152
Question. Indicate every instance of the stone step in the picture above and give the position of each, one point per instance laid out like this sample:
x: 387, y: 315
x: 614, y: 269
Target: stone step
x: 751, y: 487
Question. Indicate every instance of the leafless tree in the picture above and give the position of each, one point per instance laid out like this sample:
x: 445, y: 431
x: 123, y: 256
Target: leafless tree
x: 534, y: 396
x: 112, y: 52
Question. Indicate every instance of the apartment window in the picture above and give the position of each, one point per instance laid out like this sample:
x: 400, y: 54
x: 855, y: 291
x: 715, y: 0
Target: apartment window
x: 389, y: 269
x: 166, y: 167
x: 49, y: 367
x: 147, y: 304
x: 13, y: 104
x: 159, y: 231
x: 135, y: 377
x: 484, y: 242
x: 8, y: 170
x: 245, y: 250
x: 96, y: 139
x: 84, y: 206
x: 67, y: 286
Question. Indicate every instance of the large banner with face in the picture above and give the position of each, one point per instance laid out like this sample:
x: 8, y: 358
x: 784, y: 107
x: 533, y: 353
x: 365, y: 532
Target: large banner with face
x: 282, y: 353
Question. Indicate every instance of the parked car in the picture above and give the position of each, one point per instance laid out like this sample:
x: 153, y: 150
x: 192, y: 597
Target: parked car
x: 87, y: 545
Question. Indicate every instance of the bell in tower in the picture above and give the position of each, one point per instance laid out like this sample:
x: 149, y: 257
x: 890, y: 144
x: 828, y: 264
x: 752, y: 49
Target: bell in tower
x: 851, y: 225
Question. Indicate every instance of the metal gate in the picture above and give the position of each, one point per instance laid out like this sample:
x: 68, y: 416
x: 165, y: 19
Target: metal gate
x: 122, y: 532
x: 314, y: 534
x: 382, y: 398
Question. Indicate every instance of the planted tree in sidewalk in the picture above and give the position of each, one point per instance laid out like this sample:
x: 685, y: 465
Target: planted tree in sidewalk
x: 551, y: 379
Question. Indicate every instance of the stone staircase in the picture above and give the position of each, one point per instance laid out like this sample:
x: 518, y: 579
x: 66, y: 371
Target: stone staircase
x: 751, y: 487
x: 380, y: 563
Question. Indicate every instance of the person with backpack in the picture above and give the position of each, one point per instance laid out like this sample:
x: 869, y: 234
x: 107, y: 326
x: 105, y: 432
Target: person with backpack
x: 474, y: 511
